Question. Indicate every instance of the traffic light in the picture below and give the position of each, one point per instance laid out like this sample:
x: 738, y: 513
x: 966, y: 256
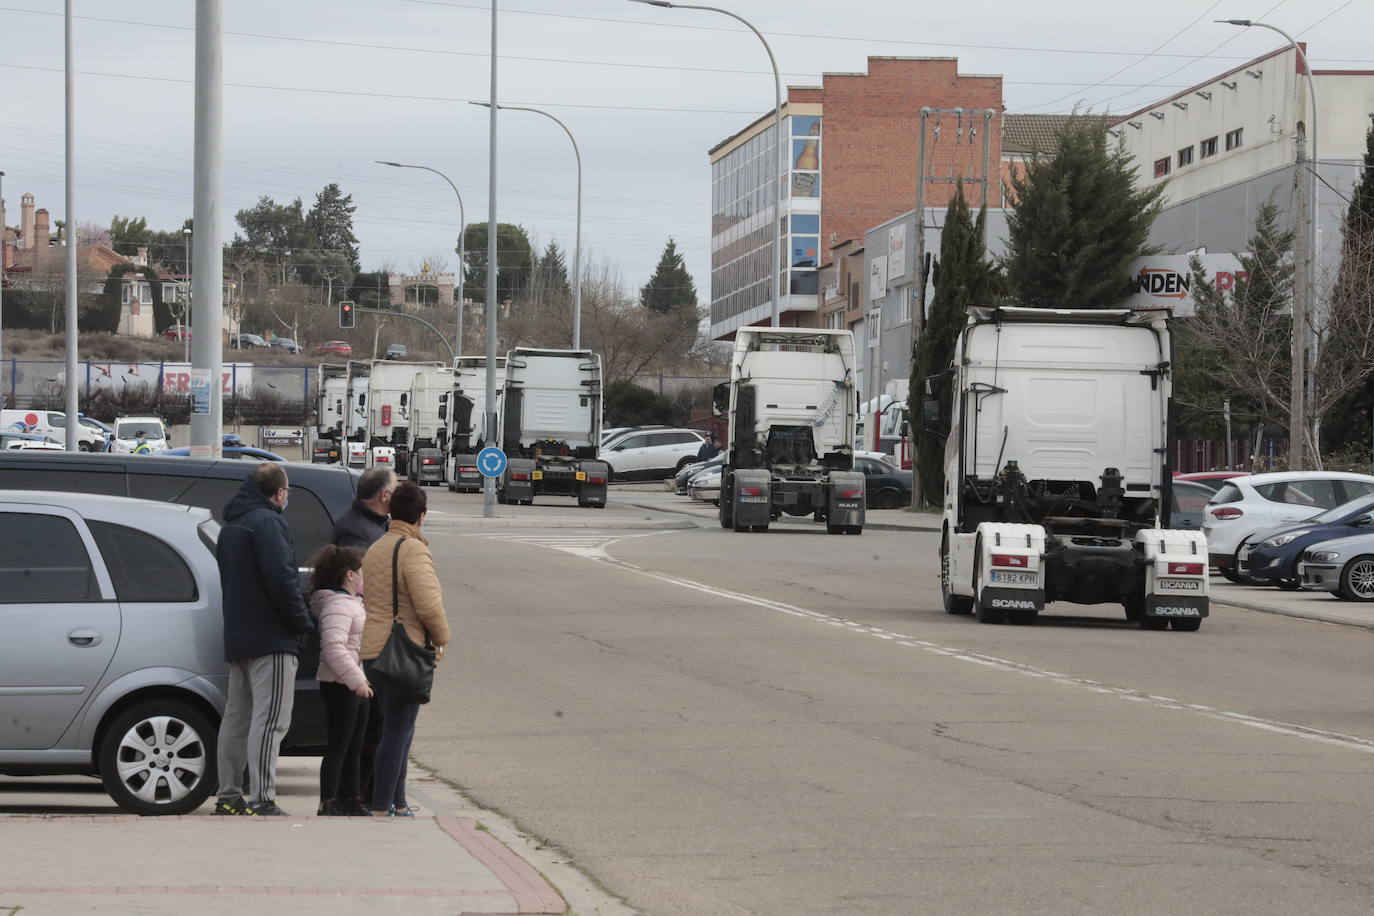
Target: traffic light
x: 346, y: 314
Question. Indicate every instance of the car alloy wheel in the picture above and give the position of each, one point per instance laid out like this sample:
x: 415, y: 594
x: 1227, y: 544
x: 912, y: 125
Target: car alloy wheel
x: 158, y: 757
x: 1357, y: 580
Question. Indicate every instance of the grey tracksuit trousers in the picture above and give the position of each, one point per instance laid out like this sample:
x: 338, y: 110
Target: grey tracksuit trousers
x: 256, y: 717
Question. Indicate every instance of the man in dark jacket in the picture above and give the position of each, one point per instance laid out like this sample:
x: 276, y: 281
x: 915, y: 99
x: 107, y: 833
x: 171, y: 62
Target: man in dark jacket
x: 708, y: 448
x: 265, y: 624
x: 366, y: 520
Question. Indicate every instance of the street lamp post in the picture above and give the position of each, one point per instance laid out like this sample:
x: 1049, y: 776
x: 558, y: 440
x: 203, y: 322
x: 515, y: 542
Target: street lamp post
x: 776, y: 259
x: 577, y: 249
x: 186, y: 290
x: 462, y: 250
x: 1305, y: 300
x: 73, y: 402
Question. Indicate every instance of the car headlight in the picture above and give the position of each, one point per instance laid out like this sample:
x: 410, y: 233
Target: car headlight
x: 1278, y: 540
x: 1323, y: 556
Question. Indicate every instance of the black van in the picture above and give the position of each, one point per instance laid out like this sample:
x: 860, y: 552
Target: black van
x: 319, y: 495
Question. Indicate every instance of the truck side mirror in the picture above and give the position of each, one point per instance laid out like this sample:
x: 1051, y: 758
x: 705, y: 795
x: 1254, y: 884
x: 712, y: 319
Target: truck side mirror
x: 443, y: 411
x: 720, y: 399
x: 930, y: 415
x: 405, y: 396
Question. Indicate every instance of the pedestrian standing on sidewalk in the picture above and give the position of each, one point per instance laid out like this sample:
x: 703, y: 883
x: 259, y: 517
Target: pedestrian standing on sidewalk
x: 366, y: 519
x: 419, y: 606
x: 337, y: 584
x: 265, y: 626
x: 364, y: 522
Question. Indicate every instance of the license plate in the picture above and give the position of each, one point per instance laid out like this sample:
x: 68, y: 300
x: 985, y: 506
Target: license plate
x: 1178, y: 585
x: 1014, y: 578
x: 753, y: 499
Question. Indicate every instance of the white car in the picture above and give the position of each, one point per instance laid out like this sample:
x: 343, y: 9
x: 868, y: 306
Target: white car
x: 127, y: 430
x: 1246, y: 506
x: 651, y: 454
x: 53, y: 425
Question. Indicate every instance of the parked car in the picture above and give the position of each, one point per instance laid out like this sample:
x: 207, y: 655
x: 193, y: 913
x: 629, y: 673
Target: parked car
x: 886, y: 486
x: 1190, y: 499
x: 42, y: 444
x: 239, y: 452
x: 178, y: 332
x: 285, y: 343
x: 705, y: 485
x: 249, y: 342
x: 691, y: 470
x: 52, y: 424
x: 111, y: 622
x: 1271, y: 557
x: 320, y: 494
x: 1212, y: 480
x: 1343, y: 567
x: 397, y: 351
x: 651, y: 454
x: 128, y: 430
x: 105, y: 430
x: 1246, y: 506
x: 337, y: 347
x: 15, y: 439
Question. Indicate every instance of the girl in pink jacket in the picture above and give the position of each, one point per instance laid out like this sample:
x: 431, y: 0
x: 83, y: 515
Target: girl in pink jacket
x: 336, y: 601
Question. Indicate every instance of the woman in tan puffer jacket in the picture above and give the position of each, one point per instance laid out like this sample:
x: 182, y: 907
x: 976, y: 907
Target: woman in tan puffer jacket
x: 420, y: 609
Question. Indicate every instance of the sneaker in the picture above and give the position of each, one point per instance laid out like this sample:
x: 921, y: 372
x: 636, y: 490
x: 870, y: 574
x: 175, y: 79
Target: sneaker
x: 402, y: 812
x: 331, y: 807
x: 268, y: 808
x: 353, y: 807
x: 233, y: 805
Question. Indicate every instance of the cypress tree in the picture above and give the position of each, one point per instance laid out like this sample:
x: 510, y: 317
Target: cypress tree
x: 1078, y: 222
x: 964, y: 279
x: 671, y: 285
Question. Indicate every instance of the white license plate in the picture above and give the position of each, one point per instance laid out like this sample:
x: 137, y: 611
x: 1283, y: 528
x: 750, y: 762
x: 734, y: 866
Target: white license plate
x: 753, y: 499
x: 1014, y: 578
x: 1178, y: 585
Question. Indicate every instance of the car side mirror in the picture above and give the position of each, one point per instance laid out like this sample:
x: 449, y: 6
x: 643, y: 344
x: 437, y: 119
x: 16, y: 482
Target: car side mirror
x: 1363, y: 521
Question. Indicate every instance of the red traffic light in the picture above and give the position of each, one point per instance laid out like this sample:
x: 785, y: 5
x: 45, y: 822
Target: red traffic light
x: 346, y: 317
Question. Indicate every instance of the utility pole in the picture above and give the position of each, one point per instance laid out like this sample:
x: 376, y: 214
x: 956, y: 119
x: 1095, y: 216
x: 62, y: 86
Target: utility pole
x: 489, y: 483
x: 207, y: 415
x: 73, y: 401
x: 1230, y: 454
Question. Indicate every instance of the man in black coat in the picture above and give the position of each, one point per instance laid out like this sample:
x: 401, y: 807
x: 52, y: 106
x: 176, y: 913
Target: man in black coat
x: 708, y: 448
x: 265, y: 624
x: 366, y: 519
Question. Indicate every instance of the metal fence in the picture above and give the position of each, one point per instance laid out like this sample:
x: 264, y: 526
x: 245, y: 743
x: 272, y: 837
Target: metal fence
x: 27, y: 381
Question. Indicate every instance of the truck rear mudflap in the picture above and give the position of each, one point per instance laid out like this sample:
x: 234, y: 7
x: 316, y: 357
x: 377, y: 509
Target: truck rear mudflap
x: 1176, y: 579
x: 1009, y: 582
x: 426, y: 466
x: 517, y: 483
x: 751, y: 499
x: 592, y: 478
x: 844, y: 512
x: 463, y: 474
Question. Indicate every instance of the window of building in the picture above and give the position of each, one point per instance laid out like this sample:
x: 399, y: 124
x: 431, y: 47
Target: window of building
x: 906, y: 305
x: 126, y: 292
x: 803, y: 250
x: 1185, y: 156
x: 806, y: 184
x: 834, y: 321
x: 806, y: 223
x: 853, y: 294
x: 1207, y: 148
x: 1234, y: 138
x: 804, y: 283
x: 806, y: 154
x: 169, y: 292
x: 145, y: 293
x: 805, y: 125
x: 1161, y: 167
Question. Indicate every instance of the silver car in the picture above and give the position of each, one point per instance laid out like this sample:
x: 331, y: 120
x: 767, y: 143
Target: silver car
x: 1343, y: 567
x: 113, y: 658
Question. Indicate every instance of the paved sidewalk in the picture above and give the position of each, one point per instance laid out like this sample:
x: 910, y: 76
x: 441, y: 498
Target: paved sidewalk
x: 451, y: 858
x: 1307, y: 605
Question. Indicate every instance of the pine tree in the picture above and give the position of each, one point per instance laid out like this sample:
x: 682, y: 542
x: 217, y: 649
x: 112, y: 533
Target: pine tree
x: 331, y: 222
x: 551, y: 273
x: 671, y: 285
x: 1078, y: 222
x: 964, y: 279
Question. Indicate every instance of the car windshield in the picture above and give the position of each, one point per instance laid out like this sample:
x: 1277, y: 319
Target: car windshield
x: 130, y: 430
x: 1340, y: 512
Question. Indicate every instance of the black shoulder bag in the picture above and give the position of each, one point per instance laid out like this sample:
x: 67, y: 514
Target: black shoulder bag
x: 403, y: 666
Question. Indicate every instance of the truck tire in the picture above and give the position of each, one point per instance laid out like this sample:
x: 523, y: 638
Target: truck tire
x: 954, y: 604
x: 760, y: 529
x: 726, y: 504
x: 1186, y: 624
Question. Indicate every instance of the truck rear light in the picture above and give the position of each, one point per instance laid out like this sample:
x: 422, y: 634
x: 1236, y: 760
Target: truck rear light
x: 1010, y: 561
x: 429, y: 460
x: 596, y: 480
x: 1226, y: 512
x: 519, y: 476
x: 851, y: 494
x: 750, y: 491
x: 1185, y: 569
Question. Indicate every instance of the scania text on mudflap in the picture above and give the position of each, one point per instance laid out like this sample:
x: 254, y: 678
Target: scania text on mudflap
x: 1057, y: 469
x: 550, y: 427
x: 791, y: 405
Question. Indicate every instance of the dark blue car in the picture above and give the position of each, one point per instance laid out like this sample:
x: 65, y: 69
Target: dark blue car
x: 1273, y: 560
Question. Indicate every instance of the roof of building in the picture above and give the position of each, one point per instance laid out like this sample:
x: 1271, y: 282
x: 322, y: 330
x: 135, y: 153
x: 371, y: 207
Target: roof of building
x: 1034, y: 133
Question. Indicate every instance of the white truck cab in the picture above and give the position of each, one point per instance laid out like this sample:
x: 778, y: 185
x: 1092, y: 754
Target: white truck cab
x: 1057, y: 469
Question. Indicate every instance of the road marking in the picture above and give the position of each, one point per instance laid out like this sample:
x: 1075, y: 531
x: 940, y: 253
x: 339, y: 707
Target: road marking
x: 589, y: 544
x: 597, y: 552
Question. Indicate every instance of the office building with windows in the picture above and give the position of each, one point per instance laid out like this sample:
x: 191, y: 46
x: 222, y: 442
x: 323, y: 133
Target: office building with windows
x: 850, y: 163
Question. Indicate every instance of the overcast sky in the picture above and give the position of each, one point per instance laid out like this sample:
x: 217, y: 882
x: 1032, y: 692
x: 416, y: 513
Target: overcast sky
x: 315, y: 90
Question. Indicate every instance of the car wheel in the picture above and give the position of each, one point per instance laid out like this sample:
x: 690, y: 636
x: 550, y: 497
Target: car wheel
x: 1289, y: 585
x: 84, y: 446
x: 887, y: 499
x: 1357, y: 579
x: 954, y: 604
x: 158, y: 757
x: 1230, y: 573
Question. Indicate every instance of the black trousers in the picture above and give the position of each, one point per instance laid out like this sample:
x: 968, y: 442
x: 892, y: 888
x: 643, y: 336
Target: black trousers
x: 346, y: 720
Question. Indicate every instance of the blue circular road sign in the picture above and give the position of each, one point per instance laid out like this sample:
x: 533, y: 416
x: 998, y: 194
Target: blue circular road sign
x: 491, y: 462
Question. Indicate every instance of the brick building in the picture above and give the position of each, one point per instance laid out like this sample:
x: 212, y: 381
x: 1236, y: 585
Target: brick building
x: 851, y: 164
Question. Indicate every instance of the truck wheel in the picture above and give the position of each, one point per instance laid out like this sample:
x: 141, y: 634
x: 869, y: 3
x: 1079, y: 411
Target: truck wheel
x: 954, y: 604
x: 985, y: 614
x: 1186, y: 624
x: 1135, y: 607
x: 1154, y: 623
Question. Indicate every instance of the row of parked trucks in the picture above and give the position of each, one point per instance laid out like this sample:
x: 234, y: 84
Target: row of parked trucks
x: 428, y: 421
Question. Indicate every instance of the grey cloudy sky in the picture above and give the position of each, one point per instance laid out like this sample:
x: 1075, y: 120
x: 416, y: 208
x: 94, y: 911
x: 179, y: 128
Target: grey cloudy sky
x: 318, y: 89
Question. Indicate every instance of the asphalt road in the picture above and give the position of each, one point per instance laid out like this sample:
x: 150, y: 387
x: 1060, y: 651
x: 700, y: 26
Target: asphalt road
x: 711, y: 722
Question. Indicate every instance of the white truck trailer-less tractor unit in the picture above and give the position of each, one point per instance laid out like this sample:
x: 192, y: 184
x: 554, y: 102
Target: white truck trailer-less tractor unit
x: 791, y: 404
x: 551, y: 427
x: 331, y: 414
x: 389, y: 386
x: 430, y: 392
x: 465, y: 415
x: 1057, y: 469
